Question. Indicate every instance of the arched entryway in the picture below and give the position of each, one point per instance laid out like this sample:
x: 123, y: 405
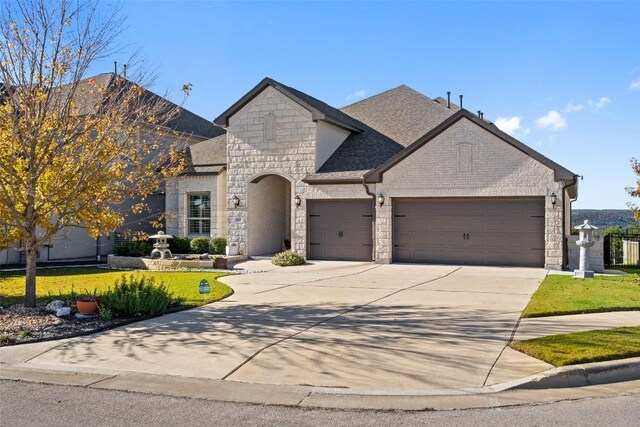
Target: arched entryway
x: 269, y: 215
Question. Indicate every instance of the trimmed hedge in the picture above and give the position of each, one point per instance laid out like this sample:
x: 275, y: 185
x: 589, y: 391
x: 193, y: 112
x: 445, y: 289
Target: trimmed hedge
x: 218, y: 246
x: 134, y: 249
x: 180, y: 245
x: 200, y: 245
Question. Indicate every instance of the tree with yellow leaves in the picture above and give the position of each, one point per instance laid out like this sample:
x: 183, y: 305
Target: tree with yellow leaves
x: 72, y: 149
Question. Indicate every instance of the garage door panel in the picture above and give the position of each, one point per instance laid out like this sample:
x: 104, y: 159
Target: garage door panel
x: 470, y: 231
x: 340, y: 229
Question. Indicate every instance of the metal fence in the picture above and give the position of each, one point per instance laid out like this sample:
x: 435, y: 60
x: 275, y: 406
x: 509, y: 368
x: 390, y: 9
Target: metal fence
x: 622, y: 249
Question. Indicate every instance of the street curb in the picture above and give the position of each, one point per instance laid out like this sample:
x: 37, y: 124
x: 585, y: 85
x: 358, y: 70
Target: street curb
x: 558, y: 384
x: 579, y: 375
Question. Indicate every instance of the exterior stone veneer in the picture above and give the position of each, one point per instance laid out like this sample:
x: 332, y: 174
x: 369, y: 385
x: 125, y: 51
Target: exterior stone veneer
x: 463, y: 161
x: 291, y: 155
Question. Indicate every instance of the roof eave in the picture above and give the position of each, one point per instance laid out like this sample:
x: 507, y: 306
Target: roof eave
x: 329, y: 181
x: 223, y: 119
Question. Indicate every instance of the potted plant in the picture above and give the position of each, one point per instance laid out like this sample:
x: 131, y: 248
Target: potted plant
x: 87, y: 302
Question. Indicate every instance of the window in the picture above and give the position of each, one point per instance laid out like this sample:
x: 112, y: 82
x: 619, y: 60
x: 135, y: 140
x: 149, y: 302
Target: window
x: 199, y: 215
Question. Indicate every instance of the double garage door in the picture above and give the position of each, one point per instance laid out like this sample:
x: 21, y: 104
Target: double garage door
x: 340, y: 229
x: 469, y: 231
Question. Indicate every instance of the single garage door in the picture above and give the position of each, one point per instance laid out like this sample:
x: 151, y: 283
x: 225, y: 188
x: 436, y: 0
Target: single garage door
x: 469, y: 231
x: 340, y: 229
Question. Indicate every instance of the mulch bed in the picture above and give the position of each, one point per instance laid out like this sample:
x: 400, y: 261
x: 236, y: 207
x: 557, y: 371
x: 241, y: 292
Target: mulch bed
x: 21, y: 325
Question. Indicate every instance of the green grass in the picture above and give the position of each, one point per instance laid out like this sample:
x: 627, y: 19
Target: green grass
x: 558, y: 295
x: 583, y: 347
x: 57, y: 283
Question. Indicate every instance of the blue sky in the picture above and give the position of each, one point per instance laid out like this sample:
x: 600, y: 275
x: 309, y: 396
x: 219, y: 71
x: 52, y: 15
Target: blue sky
x: 562, y: 77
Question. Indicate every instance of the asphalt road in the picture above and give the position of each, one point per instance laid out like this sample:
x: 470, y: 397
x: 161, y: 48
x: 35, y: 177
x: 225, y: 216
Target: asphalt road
x: 28, y: 404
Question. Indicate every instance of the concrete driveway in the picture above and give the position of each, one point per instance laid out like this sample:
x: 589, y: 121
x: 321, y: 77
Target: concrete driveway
x: 330, y: 324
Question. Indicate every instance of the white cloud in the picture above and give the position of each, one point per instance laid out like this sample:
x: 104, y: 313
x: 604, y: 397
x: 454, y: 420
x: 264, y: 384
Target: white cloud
x: 552, y: 120
x: 571, y: 107
x: 508, y: 124
x: 597, y: 105
x: 356, y: 95
x: 635, y: 85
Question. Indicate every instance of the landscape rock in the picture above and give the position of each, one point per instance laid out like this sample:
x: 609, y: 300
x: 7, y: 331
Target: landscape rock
x: 54, y: 306
x: 63, y: 311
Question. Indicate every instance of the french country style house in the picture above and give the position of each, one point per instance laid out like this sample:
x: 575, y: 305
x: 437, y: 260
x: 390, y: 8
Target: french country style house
x: 397, y: 177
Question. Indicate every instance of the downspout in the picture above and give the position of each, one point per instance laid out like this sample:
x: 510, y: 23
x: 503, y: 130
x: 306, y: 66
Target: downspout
x: 565, y: 239
x: 373, y: 219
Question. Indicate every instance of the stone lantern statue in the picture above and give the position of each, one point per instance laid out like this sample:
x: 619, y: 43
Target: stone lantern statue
x: 161, y: 247
x: 585, y: 242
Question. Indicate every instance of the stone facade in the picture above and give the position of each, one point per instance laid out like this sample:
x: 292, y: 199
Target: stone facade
x: 486, y: 167
x: 291, y: 155
x: 273, y: 143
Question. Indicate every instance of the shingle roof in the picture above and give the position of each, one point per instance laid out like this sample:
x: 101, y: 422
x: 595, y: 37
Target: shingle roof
x: 208, y: 156
x: 361, y: 151
x: 401, y: 114
x: 390, y: 121
x: 184, y: 122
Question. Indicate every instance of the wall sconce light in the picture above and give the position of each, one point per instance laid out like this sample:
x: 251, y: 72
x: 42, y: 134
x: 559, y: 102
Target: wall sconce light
x: 297, y: 200
x: 236, y: 201
x: 554, y: 199
x: 381, y: 199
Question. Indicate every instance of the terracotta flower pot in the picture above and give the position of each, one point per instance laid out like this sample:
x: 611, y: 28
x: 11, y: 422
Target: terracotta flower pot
x: 87, y: 306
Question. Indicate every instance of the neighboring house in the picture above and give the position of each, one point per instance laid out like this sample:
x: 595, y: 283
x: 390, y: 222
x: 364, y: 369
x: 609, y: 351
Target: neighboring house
x: 397, y: 177
x: 73, y: 242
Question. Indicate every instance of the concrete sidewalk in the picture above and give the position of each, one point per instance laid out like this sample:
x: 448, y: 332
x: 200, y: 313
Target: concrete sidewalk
x: 553, y: 325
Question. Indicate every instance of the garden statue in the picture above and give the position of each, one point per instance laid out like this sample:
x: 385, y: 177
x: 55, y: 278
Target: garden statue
x: 585, y: 242
x: 161, y: 247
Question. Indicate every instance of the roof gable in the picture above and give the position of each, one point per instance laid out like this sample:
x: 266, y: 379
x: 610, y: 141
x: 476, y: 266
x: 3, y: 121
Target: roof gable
x: 376, y: 175
x: 319, y: 110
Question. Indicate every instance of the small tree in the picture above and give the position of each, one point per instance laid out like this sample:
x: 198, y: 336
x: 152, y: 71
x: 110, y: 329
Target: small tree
x: 634, y: 191
x: 72, y: 149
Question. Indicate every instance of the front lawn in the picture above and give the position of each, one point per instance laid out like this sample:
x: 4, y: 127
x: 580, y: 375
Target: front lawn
x: 58, y: 283
x: 558, y: 295
x: 583, y: 347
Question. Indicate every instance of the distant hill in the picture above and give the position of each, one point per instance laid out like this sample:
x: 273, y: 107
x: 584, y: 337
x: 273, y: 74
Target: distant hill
x: 603, y: 218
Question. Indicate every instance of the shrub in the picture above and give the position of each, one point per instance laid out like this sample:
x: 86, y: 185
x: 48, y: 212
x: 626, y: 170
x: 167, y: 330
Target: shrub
x: 180, y: 245
x: 136, y: 296
x: 200, y: 245
x: 134, y: 248
x: 218, y: 245
x: 287, y: 258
